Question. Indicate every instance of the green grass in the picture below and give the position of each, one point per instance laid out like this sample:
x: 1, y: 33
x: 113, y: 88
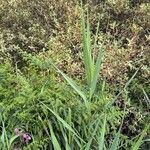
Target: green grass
x: 62, y: 112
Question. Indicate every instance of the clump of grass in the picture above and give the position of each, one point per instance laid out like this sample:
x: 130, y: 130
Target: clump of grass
x: 58, y: 117
x: 92, y: 68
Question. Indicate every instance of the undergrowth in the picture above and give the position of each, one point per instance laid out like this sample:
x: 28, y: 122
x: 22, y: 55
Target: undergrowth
x: 67, y: 94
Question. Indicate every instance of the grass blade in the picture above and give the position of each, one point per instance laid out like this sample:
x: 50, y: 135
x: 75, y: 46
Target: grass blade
x: 96, y: 72
x: 65, y: 124
x: 92, y: 136
x: 44, y: 126
x: 4, y: 137
x: 102, y: 137
x: 96, y: 36
x: 12, y: 140
x: 126, y: 85
x: 115, y: 142
x: 87, y: 49
x: 73, y: 85
x: 137, y: 145
x: 54, y: 139
x: 146, y: 96
x: 67, y: 147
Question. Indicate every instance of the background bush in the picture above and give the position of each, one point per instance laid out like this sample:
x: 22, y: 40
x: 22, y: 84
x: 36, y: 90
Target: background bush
x: 52, y: 29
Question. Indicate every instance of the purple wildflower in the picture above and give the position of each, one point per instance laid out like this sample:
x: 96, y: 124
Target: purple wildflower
x: 26, y: 138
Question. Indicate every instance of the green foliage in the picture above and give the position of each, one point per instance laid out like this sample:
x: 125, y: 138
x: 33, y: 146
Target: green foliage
x: 33, y: 94
x: 140, y: 140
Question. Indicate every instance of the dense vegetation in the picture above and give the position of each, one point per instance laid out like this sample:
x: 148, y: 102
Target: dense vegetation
x: 74, y: 77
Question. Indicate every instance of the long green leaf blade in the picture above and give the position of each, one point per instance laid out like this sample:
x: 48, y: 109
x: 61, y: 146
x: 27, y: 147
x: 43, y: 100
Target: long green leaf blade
x: 73, y: 85
x: 54, y: 139
x: 92, y: 136
x: 65, y: 124
x: 115, y: 142
x: 96, y: 36
x: 87, y: 49
x: 126, y: 85
x: 12, y: 140
x: 137, y: 145
x: 96, y: 72
x: 102, y: 137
